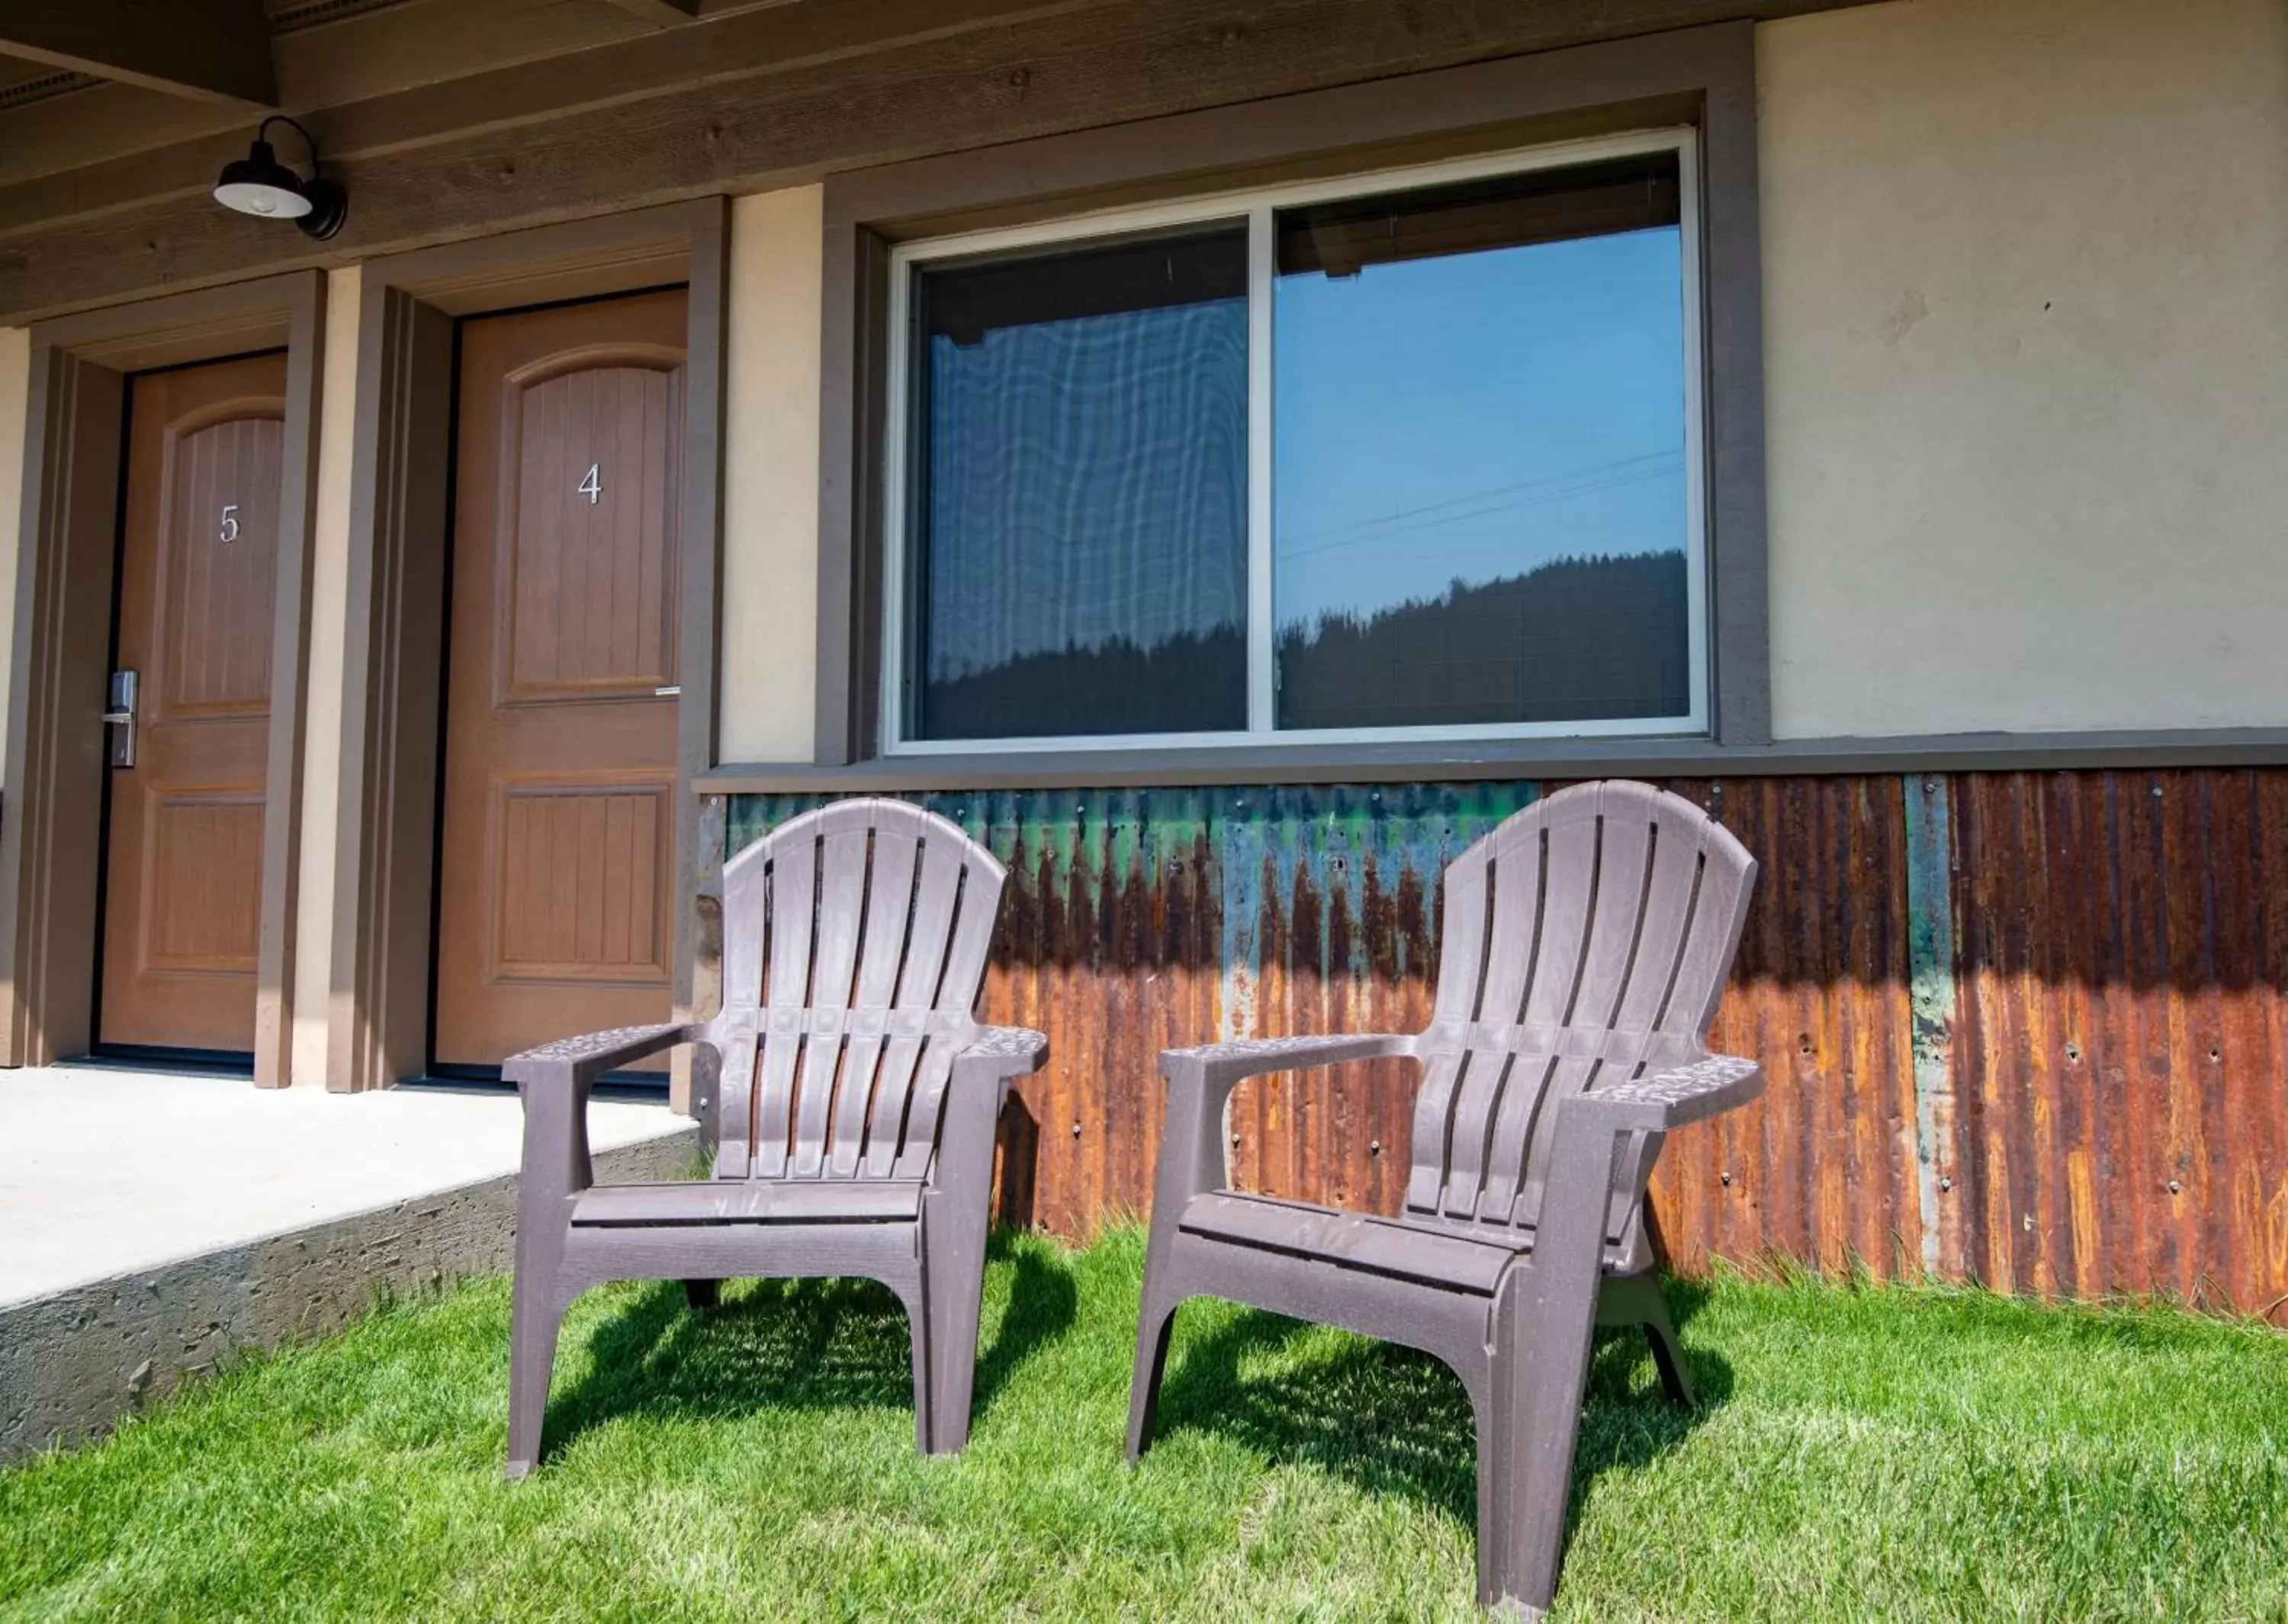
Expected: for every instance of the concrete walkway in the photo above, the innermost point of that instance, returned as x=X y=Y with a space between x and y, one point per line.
x=107 y=1172
x=152 y=1224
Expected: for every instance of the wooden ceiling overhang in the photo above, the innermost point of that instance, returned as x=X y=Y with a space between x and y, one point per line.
x=207 y=50
x=451 y=119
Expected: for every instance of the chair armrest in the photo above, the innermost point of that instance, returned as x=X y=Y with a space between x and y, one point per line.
x=972 y=1105
x=1002 y=1052
x=553 y=1081
x=1671 y=1098
x=591 y=1054
x=1593 y=1131
x=1192 y=1159
x=1225 y=1066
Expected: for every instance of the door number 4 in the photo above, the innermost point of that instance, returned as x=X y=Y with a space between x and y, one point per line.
x=593 y=487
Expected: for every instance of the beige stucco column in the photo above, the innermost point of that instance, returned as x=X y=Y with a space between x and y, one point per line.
x=314 y=930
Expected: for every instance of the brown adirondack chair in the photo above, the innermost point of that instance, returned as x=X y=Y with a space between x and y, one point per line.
x=857 y=1098
x=1586 y=941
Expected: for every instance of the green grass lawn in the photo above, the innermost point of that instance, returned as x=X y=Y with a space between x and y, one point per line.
x=1871 y=1453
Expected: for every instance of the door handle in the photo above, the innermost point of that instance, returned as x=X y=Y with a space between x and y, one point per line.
x=120 y=719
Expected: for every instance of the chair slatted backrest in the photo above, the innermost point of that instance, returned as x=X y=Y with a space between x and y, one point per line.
x=855 y=941
x=1587 y=941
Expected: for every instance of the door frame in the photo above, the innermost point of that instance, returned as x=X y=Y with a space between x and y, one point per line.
x=50 y=838
x=394 y=653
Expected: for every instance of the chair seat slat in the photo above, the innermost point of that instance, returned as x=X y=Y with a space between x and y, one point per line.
x=889 y=905
x=1670 y=902
x=1433 y=1121
x=748 y=1200
x=1624 y=855
x=734 y=1091
x=794 y=905
x=899 y=1057
x=845 y=855
x=1508 y=974
x=1717 y=922
x=932 y=1072
x=1460 y=1262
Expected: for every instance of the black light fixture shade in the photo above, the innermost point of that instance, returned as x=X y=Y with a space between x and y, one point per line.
x=261 y=185
x=257 y=184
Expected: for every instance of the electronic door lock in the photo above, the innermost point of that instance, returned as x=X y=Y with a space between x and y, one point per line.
x=120 y=719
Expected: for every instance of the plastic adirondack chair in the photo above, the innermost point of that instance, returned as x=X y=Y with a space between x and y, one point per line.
x=858 y=1103
x=1586 y=941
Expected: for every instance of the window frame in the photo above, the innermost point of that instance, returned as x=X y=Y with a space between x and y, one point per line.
x=1256 y=206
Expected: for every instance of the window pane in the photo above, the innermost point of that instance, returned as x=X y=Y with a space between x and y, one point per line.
x=1080 y=513
x=1479 y=495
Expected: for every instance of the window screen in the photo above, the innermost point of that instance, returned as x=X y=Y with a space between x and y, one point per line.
x=1080 y=513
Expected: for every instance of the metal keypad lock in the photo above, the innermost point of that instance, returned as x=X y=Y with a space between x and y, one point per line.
x=119 y=719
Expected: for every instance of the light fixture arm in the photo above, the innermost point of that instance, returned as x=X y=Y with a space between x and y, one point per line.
x=309 y=141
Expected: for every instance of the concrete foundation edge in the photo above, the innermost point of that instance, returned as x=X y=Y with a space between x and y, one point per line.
x=71 y=1363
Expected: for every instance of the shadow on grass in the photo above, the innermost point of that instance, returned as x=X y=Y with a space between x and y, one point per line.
x=792 y=1344
x=1392 y=1420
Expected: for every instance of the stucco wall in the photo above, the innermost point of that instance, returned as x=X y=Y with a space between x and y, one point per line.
x=314 y=924
x=15 y=386
x=770 y=479
x=2026 y=318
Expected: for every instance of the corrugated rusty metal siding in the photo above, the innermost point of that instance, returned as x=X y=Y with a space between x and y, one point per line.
x=1107 y=944
x=1824 y=1169
x=2123 y=956
x=1986 y=1004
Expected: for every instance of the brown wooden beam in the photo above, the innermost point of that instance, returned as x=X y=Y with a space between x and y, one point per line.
x=662 y=14
x=209 y=50
x=766 y=98
x=758 y=43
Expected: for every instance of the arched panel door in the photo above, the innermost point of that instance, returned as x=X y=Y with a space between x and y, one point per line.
x=556 y=859
x=198 y=569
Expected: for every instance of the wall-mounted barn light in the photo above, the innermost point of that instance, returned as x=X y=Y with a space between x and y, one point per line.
x=259 y=184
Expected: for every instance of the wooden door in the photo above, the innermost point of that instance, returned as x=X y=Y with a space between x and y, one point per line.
x=556 y=847
x=198 y=566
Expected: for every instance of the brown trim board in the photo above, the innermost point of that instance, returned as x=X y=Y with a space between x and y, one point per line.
x=1705 y=77
x=393 y=654
x=2103 y=750
x=50 y=842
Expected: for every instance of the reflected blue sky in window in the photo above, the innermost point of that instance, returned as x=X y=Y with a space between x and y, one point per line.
x=1474 y=417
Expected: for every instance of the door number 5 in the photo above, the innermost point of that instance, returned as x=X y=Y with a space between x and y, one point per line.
x=591 y=488
x=229 y=531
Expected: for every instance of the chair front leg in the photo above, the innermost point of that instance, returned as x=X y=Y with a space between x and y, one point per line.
x=538 y=1317
x=1191 y=1164
x=555 y=1166
x=1546 y=1322
x=956 y=1218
